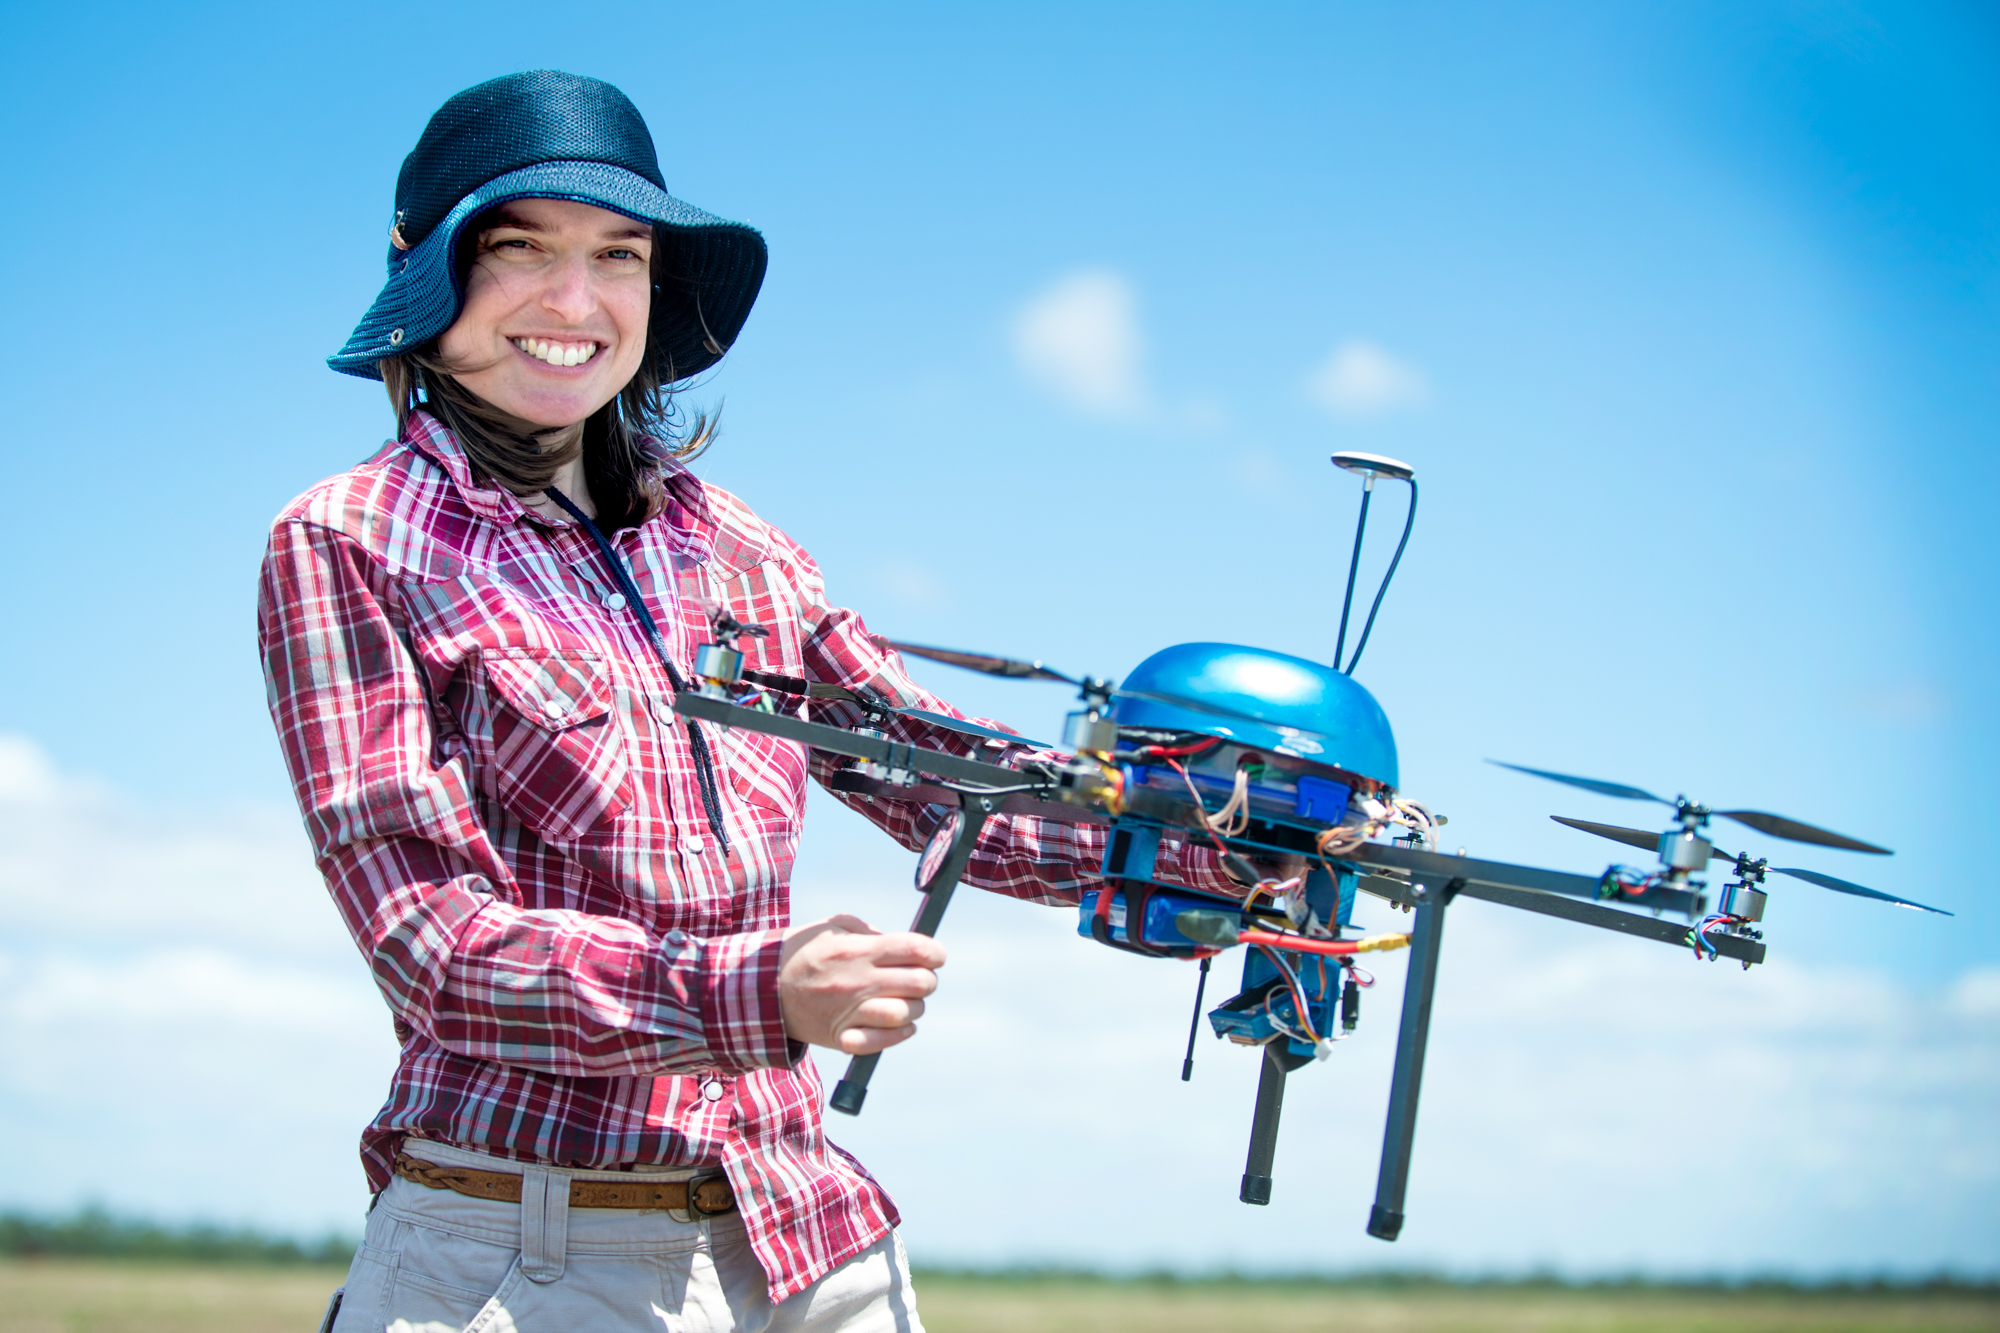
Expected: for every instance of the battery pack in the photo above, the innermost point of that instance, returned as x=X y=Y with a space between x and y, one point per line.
x=1158 y=930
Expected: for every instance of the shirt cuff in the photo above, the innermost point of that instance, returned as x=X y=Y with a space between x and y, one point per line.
x=742 y=1020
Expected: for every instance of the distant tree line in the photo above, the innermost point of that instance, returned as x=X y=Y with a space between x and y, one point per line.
x=94 y=1233
x=1415 y=1280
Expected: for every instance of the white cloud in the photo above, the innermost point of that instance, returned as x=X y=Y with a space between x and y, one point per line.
x=176 y=990
x=1359 y=379
x=1977 y=994
x=25 y=772
x=1080 y=340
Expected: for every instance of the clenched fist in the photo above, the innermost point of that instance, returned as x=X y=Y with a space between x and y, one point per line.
x=844 y=984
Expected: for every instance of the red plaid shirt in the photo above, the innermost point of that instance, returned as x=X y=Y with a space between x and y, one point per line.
x=505 y=809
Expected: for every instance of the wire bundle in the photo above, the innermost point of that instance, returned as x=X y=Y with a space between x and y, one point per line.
x=1624 y=880
x=1698 y=937
x=1322 y=1046
x=1368 y=816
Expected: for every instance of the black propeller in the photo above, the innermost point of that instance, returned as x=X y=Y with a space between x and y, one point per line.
x=818 y=690
x=1102 y=691
x=1010 y=667
x=1776 y=825
x=1588 y=784
x=1845 y=886
x=1780 y=827
x=1633 y=837
x=968 y=728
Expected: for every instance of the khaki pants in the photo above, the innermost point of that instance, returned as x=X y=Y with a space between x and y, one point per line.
x=438 y=1262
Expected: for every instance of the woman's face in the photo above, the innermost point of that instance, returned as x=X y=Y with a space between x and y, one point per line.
x=554 y=323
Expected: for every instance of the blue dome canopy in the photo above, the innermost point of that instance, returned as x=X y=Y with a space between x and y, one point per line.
x=1272 y=701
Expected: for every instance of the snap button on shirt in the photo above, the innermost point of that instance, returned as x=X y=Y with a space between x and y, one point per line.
x=695 y=843
x=615 y=602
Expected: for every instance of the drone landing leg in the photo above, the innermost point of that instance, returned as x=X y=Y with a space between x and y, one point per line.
x=852 y=1090
x=1278 y=1062
x=1385 y=1219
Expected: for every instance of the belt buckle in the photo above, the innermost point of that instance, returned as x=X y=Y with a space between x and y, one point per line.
x=694 y=1198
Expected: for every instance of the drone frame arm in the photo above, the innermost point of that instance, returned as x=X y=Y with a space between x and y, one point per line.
x=1745 y=951
x=834 y=740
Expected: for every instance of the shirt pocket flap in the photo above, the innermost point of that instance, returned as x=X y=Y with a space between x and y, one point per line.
x=555 y=690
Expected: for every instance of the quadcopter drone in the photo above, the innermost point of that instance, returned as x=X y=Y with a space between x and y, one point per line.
x=1273 y=761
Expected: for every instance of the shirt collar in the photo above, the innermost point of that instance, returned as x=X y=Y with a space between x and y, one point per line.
x=425 y=435
x=688 y=519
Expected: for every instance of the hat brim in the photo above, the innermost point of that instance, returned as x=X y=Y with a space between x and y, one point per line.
x=713 y=270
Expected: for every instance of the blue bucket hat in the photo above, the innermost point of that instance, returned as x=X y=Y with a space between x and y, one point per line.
x=549 y=135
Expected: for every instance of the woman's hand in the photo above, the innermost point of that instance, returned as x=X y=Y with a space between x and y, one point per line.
x=844 y=984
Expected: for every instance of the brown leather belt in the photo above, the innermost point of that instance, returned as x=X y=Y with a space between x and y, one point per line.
x=709 y=1196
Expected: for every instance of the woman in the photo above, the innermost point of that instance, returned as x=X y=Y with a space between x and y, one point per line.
x=573 y=901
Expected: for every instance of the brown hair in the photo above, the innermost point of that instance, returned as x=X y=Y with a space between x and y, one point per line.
x=622 y=442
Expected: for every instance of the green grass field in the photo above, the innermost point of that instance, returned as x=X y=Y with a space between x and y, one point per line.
x=113 y=1296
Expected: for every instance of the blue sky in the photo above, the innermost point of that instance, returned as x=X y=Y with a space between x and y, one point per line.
x=1684 y=312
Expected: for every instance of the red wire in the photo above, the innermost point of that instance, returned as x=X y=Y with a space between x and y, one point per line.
x=1299 y=944
x=1152 y=752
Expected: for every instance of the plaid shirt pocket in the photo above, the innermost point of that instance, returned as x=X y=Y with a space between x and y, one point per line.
x=562 y=767
x=764 y=770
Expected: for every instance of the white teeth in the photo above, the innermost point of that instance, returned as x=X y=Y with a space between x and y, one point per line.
x=557 y=354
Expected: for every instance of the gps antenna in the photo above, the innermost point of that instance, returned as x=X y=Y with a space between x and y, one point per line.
x=1369 y=467
x=1353 y=564
x=1194 y=1025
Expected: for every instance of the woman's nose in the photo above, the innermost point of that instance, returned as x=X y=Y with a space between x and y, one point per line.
x=571 y=293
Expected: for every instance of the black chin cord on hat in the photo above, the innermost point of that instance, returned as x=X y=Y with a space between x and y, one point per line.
x=704 y=763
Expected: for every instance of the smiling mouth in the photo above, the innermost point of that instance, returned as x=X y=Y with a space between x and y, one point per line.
x=556 y=353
